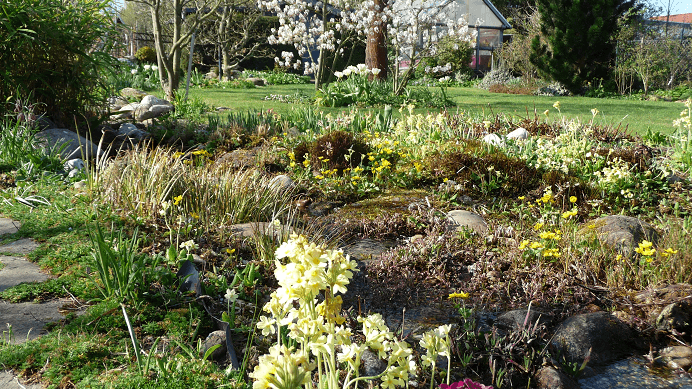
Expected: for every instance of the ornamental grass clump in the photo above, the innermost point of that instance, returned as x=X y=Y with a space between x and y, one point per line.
x=187 y=192
x=311 y=335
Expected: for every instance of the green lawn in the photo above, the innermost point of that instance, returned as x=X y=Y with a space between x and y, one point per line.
x=637 y=115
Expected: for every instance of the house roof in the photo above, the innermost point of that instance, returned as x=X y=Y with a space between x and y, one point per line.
x=505 y=23
x=680 y=18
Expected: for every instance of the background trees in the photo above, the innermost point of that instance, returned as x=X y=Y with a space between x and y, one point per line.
x=576 y=43
x=178 y=20
x=656 y=56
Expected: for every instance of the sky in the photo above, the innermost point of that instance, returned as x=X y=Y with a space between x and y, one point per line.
x=684 y=7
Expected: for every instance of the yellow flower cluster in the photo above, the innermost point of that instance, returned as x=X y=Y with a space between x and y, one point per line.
x=202 y=153
x=547 y=197
x=569 y=214
x=668 y=252
x=545 y=251
x=548 y=235
x=460 y=295
x=646 y=248
x=315 y=324
x=551 y=253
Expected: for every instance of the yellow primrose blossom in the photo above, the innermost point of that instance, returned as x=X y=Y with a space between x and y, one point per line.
x=538 y=226
x=547 y=197
x=535 y=245
x=573 y=199
x=523 y=244
x=177 y=199
x=556 y=105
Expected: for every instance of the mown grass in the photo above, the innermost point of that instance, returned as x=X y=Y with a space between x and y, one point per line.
x=637 y=116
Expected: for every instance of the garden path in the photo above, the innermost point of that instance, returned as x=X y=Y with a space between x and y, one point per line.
x=27 y=320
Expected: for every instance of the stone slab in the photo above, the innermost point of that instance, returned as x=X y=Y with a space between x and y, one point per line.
x=8 y=226
x=28 y=319
x=18 y=270
x=9 y=380
x=22 y=247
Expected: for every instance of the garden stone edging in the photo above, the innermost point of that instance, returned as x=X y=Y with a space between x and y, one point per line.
x=459 y=219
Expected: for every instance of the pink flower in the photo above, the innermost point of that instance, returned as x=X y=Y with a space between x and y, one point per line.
x=465 y=384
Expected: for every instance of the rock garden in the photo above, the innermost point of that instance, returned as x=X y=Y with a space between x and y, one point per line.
x=416 y=250
x=342 y=229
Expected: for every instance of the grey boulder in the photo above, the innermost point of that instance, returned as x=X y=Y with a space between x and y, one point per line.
x=75 y=146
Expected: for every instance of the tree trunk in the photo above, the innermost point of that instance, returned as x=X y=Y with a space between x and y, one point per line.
x=376 y=46
x=321 y=61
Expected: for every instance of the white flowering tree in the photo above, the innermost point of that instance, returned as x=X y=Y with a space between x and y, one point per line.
x=316 y=28
x=416 y=27
x=411 y=27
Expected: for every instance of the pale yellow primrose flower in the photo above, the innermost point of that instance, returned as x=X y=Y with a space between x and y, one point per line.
x=304 y=271
x=231 y=295
x=436 y=343
x=281 y=369
x=189 y=245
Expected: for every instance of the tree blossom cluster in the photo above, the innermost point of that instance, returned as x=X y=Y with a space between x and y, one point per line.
x=286 y=60
x=413 y=26
x=438 y=69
